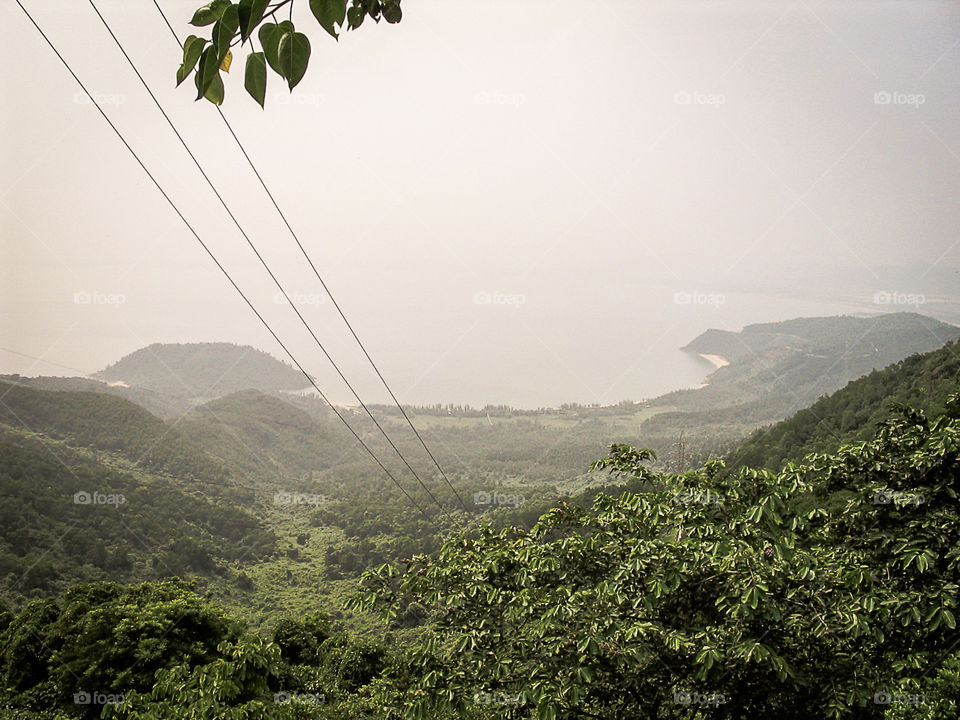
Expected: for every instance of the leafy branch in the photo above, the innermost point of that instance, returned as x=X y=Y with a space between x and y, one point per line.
x=284 y=50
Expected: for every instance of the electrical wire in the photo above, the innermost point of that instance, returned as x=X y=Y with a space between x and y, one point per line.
x=264 y=263
x=190 y=227
x=316 y=272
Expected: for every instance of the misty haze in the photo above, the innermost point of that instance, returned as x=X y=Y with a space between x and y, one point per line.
x=480 y=360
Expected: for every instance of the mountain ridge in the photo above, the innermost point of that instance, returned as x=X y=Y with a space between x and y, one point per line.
x=202 y=370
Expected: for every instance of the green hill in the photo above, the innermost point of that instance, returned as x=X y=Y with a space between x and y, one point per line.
x=66 y=518
x=852 y=414
x=860 y=594
x=799 y=360
x=203 y=370
x=875 y=339
x=778 y=368
x=264 y=436
x=163 y=406
x=94 y=487
x=109 y=424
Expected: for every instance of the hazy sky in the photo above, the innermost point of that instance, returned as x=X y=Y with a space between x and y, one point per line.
x=526 y=202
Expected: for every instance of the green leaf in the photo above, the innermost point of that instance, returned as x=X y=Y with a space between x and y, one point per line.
x=215 y=92
x=192 y=49
x=392 y=12
x=355 y=16
x=224 y=30
x=329 y=13
x=255 y=77
x=546 y=712
x=270 y=35
x=209 y=13
x=294 y=54
x=250 y=13
x=208 y=69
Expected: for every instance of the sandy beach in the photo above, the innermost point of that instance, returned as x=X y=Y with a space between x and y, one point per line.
x=718 y=361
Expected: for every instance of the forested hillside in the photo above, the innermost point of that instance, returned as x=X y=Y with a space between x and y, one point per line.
x=779 y=368
x=66 y=518
x=545 y=589
x=203 y=370
x=109 y=424
x=869 y=341
x=163 y=406
x=266 y=437
x=923 y=381
x=776 y=369
x=746 y=594
x=713 y=593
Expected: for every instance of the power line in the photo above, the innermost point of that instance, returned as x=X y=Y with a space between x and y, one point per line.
x=263 y=262
x=316 y=272
x=216 y=261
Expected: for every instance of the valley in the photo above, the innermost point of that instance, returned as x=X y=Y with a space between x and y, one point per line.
x=263 y=502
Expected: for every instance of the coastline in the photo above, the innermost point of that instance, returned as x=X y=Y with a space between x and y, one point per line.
x=718 y=361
